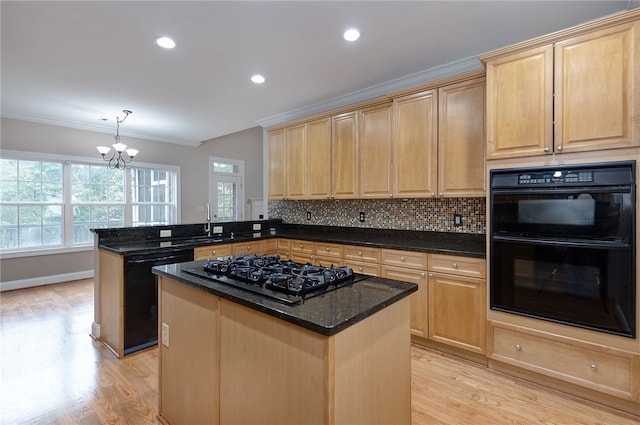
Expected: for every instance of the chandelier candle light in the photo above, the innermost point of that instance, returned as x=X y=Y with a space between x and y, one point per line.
x=117 y=159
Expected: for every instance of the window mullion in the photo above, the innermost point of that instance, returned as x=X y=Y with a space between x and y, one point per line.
x=67 y=208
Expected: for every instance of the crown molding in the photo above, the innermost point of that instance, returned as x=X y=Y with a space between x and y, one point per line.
x=376 y=91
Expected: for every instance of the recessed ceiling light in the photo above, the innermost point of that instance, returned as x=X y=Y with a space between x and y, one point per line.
x=165 y=42
x=258 y=79
x=351 y=34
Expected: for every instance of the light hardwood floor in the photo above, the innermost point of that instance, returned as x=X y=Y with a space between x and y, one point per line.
x=52 y=372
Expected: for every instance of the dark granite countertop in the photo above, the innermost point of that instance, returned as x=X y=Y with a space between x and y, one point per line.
x=326 y=314
x=463 y=244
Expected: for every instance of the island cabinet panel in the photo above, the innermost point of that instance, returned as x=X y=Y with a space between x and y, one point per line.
x=272 y=372
x=345 y=155
x=415 y=144
x=375 y=152
x=211 y=251
x=593 y=366
x=189 y=362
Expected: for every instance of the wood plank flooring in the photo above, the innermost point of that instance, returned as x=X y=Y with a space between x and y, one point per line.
x=52 y=372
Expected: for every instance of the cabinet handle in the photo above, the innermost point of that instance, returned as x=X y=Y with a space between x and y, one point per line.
x=359 y=269
x=440 y=194
x=518 y=347
x=559 y=148
x=422 y=274
x=248 y=247
x=430 y=274
x=301 y=246
x=454 y=265
x=391 y=195
x=213 y=252
x=328 y=249
x=594 y=366
x=433 y=194
x=360 y=253
x=402 y=259
x=546 y=150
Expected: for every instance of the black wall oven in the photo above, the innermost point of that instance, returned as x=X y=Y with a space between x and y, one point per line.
x=562 y=245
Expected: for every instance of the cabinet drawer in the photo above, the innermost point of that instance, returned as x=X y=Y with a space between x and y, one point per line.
x=270 y=246
x=362 y=253
x=211 y=251
x=363 y=267
x=596 y=367
x=301 y=246
x=410 y=259
x=328 y=250
x=248 y=248
x=462 y=266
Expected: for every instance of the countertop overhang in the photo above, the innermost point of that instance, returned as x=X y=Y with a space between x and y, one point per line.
x=326 y=314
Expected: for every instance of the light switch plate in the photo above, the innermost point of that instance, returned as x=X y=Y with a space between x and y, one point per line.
x=257 y=226
x=217 y=229
x=165 y=233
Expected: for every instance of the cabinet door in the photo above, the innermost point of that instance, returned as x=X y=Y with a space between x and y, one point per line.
x=211 y=251
x=375 y=152
x=415 y=144
x=277 y=165
x=595 y=78
x=345 y=155
x=461 y=139
x=457 y=311
x=520 y=104
x=296 y=161
x=319 y=159
x=418 y=300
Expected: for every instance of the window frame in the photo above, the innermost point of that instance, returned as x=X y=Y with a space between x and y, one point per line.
x=238 y=177
x=67 y=213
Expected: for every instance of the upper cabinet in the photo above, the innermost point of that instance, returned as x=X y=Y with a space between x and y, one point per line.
x=277 y=167
x=575 y=93
x=319 y=161
x=345 y=155
x=461 y=139
x=375 y=152
x=415 y=148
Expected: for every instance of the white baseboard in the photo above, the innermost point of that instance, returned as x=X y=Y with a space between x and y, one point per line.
x=45 y=280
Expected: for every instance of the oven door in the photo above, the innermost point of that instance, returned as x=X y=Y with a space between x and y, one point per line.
x=582 y=284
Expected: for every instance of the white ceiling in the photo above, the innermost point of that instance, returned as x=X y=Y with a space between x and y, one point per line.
x=71 y=63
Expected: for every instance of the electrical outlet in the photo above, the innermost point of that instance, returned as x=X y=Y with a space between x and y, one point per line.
x=257 y=226
x=308 y=215
x=165 y=233
x=217 y=229
x=165 y=335
x=457 y=220
x=361 y=216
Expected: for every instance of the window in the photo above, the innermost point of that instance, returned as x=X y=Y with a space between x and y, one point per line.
x=227 y=189
x=52 y=202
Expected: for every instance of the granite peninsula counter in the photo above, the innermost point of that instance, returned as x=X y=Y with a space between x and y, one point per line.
x=230 y=356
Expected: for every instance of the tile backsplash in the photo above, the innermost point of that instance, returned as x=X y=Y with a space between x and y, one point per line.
x=430 y=214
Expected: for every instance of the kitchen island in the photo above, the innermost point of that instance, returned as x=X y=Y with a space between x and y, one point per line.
x=231 y=356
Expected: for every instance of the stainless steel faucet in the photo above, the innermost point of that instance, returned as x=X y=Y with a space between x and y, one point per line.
x=207 y=227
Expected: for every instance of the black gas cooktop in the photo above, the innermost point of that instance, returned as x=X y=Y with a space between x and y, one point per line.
x=269 y=275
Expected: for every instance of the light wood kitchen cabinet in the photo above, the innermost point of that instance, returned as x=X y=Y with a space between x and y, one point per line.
x=212 y=251
x=270 y=246
x=411 y=267
x=251 y=247
x=461 y=139
x=296 y=165
x=319 y=159
x=375 y=152
x=345 y=155
x=574 y=94
x=327 y=254
x=362 y=259
x=302 y=251
x=414 y=144
x=284 y=249
x=277 y=166
x=457 y=302
x=593 y=366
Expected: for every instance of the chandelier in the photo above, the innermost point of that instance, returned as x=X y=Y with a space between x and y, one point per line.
x=121 y=156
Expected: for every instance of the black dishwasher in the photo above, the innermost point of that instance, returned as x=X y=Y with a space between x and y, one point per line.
x=141 y=296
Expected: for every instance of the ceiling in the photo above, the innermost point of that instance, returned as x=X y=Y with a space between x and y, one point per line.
x=74 y=63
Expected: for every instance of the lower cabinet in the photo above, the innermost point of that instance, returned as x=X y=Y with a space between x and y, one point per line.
x=593 y=366
x=211 y=251
x=418 y=300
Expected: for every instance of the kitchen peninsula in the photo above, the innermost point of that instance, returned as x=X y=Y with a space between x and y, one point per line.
x=232 y=356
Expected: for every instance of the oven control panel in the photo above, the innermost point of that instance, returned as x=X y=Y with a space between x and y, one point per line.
x=563 y=176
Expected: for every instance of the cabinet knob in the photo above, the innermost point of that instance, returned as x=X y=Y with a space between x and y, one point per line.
x=518 y=347
x=430 y=274
x=422 y=274
x=359 y=269
x=360 y=253
x=433 y=194
x=440 y=194
x=546 y=150
x=301 y=246
x=213 y=252
x=559 y=148
x=594 y=366
x=391 y=195
x=328 y=249
x=248 y=247
x=454 y=265
x=402 y=259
